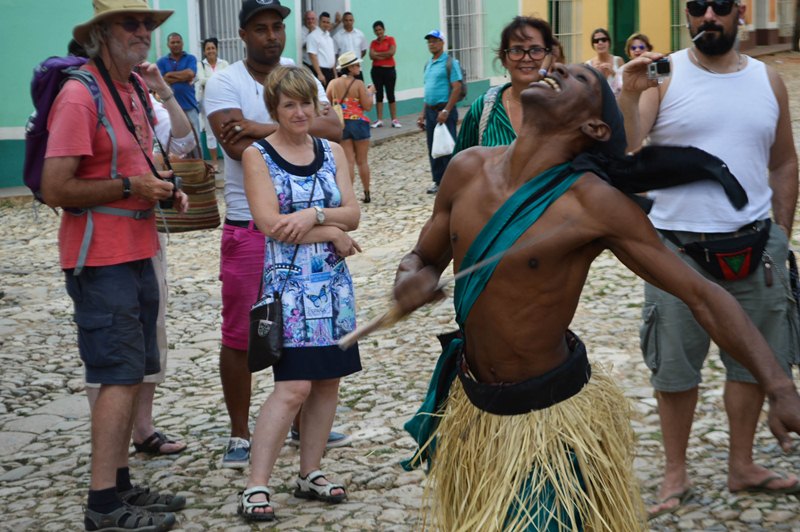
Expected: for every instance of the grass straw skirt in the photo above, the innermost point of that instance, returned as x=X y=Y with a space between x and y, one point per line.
x=568 y=467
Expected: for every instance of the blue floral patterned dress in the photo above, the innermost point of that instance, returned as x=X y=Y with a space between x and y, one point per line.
x=318 y=300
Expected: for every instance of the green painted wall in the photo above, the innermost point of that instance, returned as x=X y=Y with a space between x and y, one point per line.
x=407 y=21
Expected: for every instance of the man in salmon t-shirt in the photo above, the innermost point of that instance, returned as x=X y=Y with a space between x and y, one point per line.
x=106 y=247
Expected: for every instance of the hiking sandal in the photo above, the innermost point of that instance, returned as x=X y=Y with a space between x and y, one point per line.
x=307 y=489
x=246 y=506
x=155 y=442
x=127 y=518
x=152 y=500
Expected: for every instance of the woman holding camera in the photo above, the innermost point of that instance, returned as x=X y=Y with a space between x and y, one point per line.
x=607 y=63
x=301 y=198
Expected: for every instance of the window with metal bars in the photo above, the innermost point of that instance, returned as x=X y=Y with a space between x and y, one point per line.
x=464 y=19
x=220 y=19
x=565 y=19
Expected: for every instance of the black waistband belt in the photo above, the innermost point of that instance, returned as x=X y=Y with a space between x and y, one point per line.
x=537 y=393
x=239 y=223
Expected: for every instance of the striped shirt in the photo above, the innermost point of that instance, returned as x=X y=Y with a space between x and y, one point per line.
x=499 y=131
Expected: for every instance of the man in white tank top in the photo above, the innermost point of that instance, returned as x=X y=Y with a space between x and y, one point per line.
x=736 y=108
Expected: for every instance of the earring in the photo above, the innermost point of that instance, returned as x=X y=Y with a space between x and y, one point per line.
x=741 y=21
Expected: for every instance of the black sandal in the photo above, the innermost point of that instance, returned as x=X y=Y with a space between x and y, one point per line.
x=153 y=444
x=154 y=501
x=128 y=517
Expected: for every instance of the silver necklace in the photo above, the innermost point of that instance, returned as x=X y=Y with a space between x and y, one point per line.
x=699 y=63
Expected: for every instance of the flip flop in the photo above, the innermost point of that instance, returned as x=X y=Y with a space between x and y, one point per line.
x=682 y=497
x=153 y=444
x=763 y=487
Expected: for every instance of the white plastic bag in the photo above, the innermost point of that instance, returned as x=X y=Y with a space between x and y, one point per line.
x=443 y=142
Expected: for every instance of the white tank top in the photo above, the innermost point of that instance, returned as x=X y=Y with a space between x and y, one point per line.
x=732 y=116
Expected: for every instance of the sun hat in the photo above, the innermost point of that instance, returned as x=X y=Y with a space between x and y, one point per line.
x=251 y=7
x=435 y=34
x=107 y=8
x=347 y=59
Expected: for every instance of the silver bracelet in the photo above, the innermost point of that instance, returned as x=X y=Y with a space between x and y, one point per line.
x=168 y=98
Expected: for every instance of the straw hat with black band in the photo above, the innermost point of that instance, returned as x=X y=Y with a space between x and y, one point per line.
x=104 y=9
x=347 y=59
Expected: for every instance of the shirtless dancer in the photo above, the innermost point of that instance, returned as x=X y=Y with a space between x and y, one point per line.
x=558 y=453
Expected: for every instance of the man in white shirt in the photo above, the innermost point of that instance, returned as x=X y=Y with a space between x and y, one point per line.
x=309 y=25
x=321 y=50
x=234 y=102
x=350 y=39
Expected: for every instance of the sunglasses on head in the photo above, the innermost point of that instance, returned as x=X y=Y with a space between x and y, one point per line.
x=599 y=39
x=697 y=8
x=638 y=47
x=131 y=25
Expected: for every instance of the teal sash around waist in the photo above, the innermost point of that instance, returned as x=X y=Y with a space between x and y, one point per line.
x=505 y=227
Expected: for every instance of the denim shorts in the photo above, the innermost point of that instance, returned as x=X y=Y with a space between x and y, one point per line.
x=355 y=130
x=674 y=345
x=116 y=310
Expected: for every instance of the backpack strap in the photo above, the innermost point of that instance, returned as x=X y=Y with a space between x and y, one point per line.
x=489 y=100
x=87 y=233
x=88 y=80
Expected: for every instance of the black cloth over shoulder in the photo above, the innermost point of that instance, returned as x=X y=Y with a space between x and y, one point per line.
x=653 y=167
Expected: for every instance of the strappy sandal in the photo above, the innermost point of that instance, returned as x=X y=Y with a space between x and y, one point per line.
x=307 y=489
x=128 y=517
x=246 y=506
x=155 y=442
x=154 y=501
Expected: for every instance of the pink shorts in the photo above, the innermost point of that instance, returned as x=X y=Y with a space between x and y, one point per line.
x=241 y=264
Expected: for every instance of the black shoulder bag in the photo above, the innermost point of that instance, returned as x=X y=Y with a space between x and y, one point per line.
x=265 y=336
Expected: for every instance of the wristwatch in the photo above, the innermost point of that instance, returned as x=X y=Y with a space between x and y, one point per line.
x=126 y=188
x=320 y=215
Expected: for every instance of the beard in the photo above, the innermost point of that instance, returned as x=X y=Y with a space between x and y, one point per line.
x=715 y=44
x=120 y=52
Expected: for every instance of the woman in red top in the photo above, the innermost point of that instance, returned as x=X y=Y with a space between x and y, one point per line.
x=383 y=73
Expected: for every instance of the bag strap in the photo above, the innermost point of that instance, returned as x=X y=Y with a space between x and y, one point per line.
x=489 y=100
x=88 y=80
x=669 y=235
x=347 y=90
x=124 y=112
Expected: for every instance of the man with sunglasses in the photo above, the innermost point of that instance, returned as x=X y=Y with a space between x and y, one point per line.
x=115 y=296
x=442 y=80
x=179 y=70
x=736 y=108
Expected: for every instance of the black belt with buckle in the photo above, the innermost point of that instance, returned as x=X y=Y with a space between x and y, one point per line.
x=240 y=223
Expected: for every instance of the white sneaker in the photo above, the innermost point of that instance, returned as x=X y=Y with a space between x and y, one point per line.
x=396 y=123
x=377 y=123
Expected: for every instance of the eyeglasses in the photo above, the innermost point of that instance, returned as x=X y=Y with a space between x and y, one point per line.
x=131 y=25
x=518 y=54
x=635 y=47
x=599 y=39
x=697 y=8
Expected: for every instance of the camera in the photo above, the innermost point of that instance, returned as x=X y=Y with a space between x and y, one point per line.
x=658 y=69
x=177 y=184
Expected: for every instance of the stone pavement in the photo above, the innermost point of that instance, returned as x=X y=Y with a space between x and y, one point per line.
x=44 y=425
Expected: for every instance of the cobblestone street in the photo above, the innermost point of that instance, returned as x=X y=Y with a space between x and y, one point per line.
x=44 y=419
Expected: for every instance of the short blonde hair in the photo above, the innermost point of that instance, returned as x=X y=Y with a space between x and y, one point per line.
x=293 y=82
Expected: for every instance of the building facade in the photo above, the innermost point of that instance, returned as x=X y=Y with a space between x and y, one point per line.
x=468 y=24
x=767 y=23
